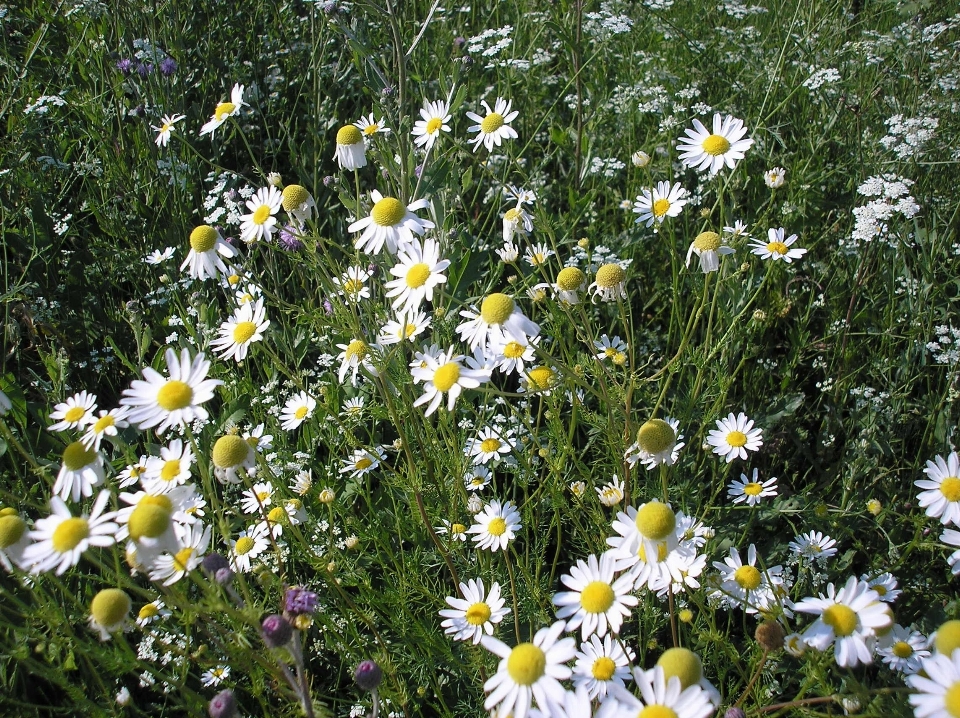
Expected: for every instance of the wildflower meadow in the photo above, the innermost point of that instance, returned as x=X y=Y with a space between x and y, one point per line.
x=406 y=358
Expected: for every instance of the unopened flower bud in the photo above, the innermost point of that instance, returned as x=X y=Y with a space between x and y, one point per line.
x=734 y=712
x=769 y=635
x=224 y=576
x=276 y=631
x=213 y=562
x=368 y=675
x=223 y=705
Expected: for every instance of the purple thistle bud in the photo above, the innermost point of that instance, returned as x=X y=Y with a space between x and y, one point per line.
x=213 y=562
x=329 y=180
x=327 y=307
x=418 y=170
x=168 y=66
x=223 y=705
x=459 y=42
x=290 y=239
x=224 y=576
x=300 y=600
x=276 y=631
x=735 y=712
x=144 y=69
x=368 y=675
x=125 y=65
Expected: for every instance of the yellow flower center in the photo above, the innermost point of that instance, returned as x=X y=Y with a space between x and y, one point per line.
x=76 y=456
x=457 y=528
x=243 y=331
x=68 y=535
x=661 y=207
x=603 y=668
x=203 y=238
x=950 y=488
x=349 y=135
x=541 y=378
x=497 y=527
x=104 y=423
x=230 y=450
x=570 y=279
x=74 y=414
x=175 y=394
x=655 y=520
x=170 y=470
x=777 y=248
x=748 y=577
x=434 y=125
x=165 y=127
x=715 y=145
x=262 y=213
x=657 y=711
x=388 y=212
x=150 y=518
x=661 y=551
x=656 y=436
x=12 y=528
x=610 y=275
x=737 y=438
x=496 y=308
x=362 y=464
x=110 y=606
x=707 y=242
x=301 y=412
x=682 y=663
x=948 y=637
x=491 y=123
x=417 y=275
x=356 y=349
x=596 y=597
x=512 y=215
x=490 y=445
x=478 y=614
x=951 y=700
x=902 y=649
x=233 y=280
x=526 y=664
x=181 y=559
x=752 y=489
x=513 y=350
x=446 y=376
x=244 y=545
x=371 y=129
x=277 y=515
x=842 y=619
x=224 y=110
x=148 y=611
x=293 y=196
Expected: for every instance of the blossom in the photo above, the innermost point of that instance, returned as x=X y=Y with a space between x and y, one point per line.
x=776 y=247
x=751 y=490
x=260 y=222
x=705 y=150
x=595 y=600
x=225 y=110
x=941 y=495
x=206 y=249
x=390 y=223
x=734 y=437
x=654 y=205
x=435 y=116
x=443 y=373
x=165 y=129
x=493 y=128
x=468 y=618
x=495 y=526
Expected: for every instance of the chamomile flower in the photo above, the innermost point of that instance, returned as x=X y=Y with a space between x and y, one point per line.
x=256 y=439
x=260 y=222
x=106 y=424
x=456 y=531
x=529 y=672
x=245 y=327
x=477 y=478
x=706 y=150
x=435 y=116
x=443 y=373
x=152 y=612
x=608 y=283
x=538 y=254
x=75 y=413
x=941 y=495
x=751 y=490
x=738 y=230
x=734 y=437
x=498 y=320
x=61 y=538
x=206 y=249
x=709 y=247
x=647 y=537
x=595 y=600
x=468 y=618
x=351 y=152
x=658 y=442
x=775 y=178
x=352 y=408
x=109 y=611
x=353 y=284
x=369 y=126
x=390 y=223
x=849 y=617
x=813 y=546
x=508 y=253
x=937 y=687
x=256 y=499
x=80 y=470
x=494 y=127
x=250 y=543
x=419 y=271
x=363 y=461
x=745 y=586
x=225 y=110
x=610 y=348
x=495 y=526
x=298 y=203
x=490 y=444
x=297 y=410
x=406 y=327
x=952 y=538
x=132 y=473
x=353 y=356
x=905 y=650
x=161 y=402
x=159 y=257
x=885 y=585
x=654 y=205
x=214 y=676
x=611 y=493
x=601 y=663
x=659 y=696
x=169 y=470
x=165 y=129
x=516 y=219
x=514 y=355
x=192 y=543
x=570 y=282
x=776 y=247
x=14 y=538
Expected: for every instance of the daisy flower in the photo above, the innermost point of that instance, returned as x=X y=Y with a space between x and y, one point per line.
x=514 y=355
x=257 y=497
x=297 y=410
x=419 y=271
x=538 y=254
x=298 y=203
x=468 y=618
x=658 y=697
x=14 y=538
x=166 y=128
x=356 y=354
x=734 y=437
x=157 y=401
x=493 y=128
x=775 y=178
x=353 y=284
x=157 y=257
x=406 y=327
x=206 y=249
x=435 y=116
x=517 y=219
x=709 y=247
x=214 y=676
x=245 y=327
x=751 y=490
x=814 y=546
x=477 y=478
x=776 y=247
x=457 y=531
x=610 y=348
x=738 y=230
x=80 y=470
x=106 y=424
x=169 y=470
x=490 y=444
x=75 y=413
x=937 y=687
x=352 y=407
x=595 y=600
x=225 y=110
x=132 y=473
x=351 y=152
x=905 y=650
x=885 y=585
x=508 y=253
x=745 y=586
x=152 y=613
x=570 y=281
x=611 y=493
x=529 y=672
x=654 y=205
x=647 y=536
x=192 y=541
x=250 y=543
x=685 y=665
x=851 y=617
x=952 y=538
x=705 y=150
x=370 y=127
x=498 y=320
x=363 y=462
x=444 y=373
x=608 y=283
x=495 y=526
x=109 y=611
x=658 y=442
x=390 y=223
x=259 y=224
x=61 y=538
x=601 y=663
x=941 y=497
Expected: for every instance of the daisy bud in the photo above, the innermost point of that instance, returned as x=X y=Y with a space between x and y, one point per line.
x=223 y=705
x=769 y=635
x=734 y=712
x=640 y=158
x=874 y=507
x=276 y=631
x=368 y=675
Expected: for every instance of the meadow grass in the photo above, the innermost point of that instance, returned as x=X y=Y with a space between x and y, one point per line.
x=326 y=454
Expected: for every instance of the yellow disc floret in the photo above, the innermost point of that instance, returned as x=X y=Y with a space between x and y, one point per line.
x=951 y=700
x=661 y=207
x=748 y=577
x=948 y=638
x=417 y=275
x=610 y=275
x=491 y=123
x=490 y=445
x=175 y=394
x=104 y=423
x=597 y=597
x=68 y=535
x=603 y=668
x=655 y=520
x=513 y=350
x=349 y=135
x=842 y=619
x=707 y=242
x=737 y=438
x=150 y=518
x=526 y=664
x=148 y=611
x=203 y=238
x=433 y=125
x=777 y=248
x=230 y=450
x=244 y=545
x=682 y=663
x=243 y=332
x=446 y=376
x=497 y=527
x=388 y=212
x=496 y=308
x=478 y=614
x=74 y=414
x=657 y=711
x=293 y=196
x=570 y=279
x=541 y=378
x=715 y=145
x=12 y=528
x=110 y=606
x=76 y=456
x=950 y=488
x=224 y=110
x=656 y=436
